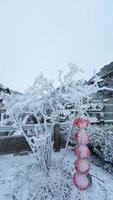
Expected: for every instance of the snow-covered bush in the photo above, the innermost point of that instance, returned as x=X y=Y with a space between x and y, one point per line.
x=102 y=141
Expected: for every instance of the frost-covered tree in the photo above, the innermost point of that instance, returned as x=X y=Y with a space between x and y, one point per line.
x=33 y=102
x=72 y=90
x=41 y=97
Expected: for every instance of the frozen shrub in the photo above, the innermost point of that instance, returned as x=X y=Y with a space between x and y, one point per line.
x=102 y=141
x=32 y=184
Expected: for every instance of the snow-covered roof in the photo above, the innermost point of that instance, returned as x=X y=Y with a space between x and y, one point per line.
x=105 y=88
x=95 y=107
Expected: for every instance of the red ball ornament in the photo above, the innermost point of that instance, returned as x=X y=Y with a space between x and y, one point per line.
x=81 y=122
x=82 y=151
x=82 y=166
x=81 y=181
x=81 y=138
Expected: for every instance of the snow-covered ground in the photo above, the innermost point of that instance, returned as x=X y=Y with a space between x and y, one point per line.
x=20 y=179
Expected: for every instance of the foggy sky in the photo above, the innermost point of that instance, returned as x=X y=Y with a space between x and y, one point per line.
x=46 y=35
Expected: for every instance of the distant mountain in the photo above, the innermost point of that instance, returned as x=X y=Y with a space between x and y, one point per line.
x=1 y=85
x=8 y=91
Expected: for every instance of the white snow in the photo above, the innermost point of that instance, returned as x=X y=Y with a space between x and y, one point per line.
x=20 y=179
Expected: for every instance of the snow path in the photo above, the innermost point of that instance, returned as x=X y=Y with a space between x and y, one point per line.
x=9 y=166
x=12 y=165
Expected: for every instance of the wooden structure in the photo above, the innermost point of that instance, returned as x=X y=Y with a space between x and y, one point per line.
x=57 y=137
x=13 y=144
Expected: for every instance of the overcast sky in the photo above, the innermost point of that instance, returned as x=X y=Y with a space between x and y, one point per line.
x=46 y=35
